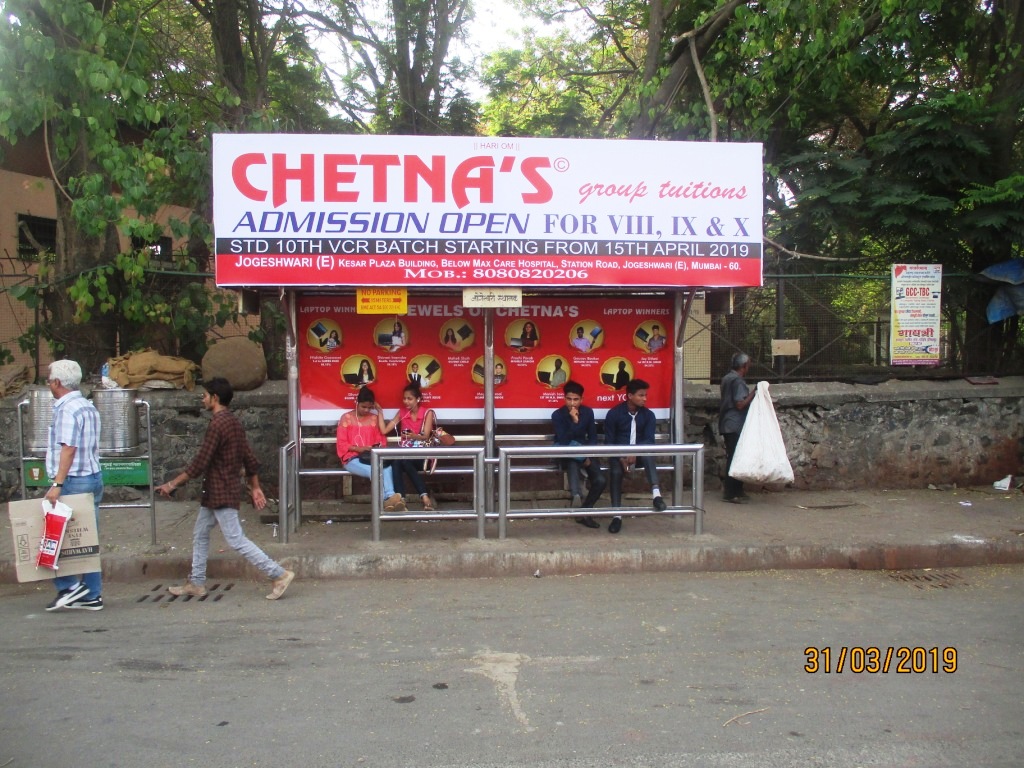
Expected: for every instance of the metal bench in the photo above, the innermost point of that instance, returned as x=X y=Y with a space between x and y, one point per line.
x=514 y=450
x=508 y=455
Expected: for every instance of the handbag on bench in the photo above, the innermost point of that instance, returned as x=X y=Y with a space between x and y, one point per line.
x=440 y=437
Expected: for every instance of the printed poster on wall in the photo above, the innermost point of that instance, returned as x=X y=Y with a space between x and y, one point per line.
x=461 y=212
x=602 y=343
x=916 y=314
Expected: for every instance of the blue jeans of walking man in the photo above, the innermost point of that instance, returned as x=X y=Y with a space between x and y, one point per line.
x=227 y=519
x=84 y=484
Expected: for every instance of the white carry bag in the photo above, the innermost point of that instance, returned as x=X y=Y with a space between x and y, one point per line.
x=761 y=454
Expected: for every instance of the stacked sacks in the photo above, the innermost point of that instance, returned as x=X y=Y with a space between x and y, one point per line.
x=13 y=378
x=152 y=370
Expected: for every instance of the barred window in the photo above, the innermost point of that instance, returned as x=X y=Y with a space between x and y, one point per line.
x=36 y=235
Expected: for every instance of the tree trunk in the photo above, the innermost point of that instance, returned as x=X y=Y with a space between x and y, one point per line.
x=88 y=343
x=983 y=350
x=652 y=110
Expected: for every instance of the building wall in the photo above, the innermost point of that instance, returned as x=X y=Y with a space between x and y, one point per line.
x=21 y=194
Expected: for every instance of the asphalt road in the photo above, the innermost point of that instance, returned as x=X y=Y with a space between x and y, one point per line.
x=649 y=670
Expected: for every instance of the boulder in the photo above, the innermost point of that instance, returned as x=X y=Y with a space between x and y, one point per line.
x=238 y=360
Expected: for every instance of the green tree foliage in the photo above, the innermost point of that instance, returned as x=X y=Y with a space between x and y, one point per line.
x=545 y=89
x=398 y=72
x=571 y=76
x=891 y=128
x=126 y=95
x=75 y=76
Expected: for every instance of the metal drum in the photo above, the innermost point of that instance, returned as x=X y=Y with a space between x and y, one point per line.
x=40 y=414
x=119 y=420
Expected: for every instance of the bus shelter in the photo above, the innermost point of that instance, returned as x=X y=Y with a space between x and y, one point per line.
x=490 y=271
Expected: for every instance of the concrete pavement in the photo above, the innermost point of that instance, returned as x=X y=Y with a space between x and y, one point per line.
x=864 y=529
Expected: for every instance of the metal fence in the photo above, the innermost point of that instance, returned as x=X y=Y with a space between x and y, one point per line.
x=20 y=324
x=842 y=324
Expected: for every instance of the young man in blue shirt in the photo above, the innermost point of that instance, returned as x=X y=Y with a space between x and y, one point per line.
x=574 y=424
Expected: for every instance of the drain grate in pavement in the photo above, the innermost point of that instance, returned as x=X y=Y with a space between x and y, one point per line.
x=929 y=579
x=159 y=594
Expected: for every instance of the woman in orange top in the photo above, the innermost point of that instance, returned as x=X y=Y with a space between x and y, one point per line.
x=359 y=432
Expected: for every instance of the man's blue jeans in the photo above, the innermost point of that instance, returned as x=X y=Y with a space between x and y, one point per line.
x=85 y=484
x=227 y=519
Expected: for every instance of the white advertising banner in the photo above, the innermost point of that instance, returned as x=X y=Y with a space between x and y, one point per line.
x=323 y=210
x=916 y=314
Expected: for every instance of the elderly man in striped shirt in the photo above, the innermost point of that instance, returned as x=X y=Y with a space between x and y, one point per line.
x=73 y=464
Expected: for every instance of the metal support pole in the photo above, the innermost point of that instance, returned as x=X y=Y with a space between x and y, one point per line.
x=780 y=325
x=149 y=470
x=294 y=427
x=21 y=449
x=698 y=493
x=681 y=313
x=478 y=492
x=489 y=442
x=503 y=495
x=375 y=493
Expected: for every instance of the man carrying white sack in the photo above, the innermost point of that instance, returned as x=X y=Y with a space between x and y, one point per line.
x=732 y=413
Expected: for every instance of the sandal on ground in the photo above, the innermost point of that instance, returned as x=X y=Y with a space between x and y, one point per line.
x=428 y=505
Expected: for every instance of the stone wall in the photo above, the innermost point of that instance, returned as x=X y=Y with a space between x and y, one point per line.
x=890 y=435
x=893 y=435
x=179 y=423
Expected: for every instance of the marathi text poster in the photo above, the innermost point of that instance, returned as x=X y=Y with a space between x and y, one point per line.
x=602 y=343
x=916 y=314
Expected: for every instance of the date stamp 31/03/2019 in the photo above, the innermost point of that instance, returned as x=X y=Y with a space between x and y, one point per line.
x=873 y=659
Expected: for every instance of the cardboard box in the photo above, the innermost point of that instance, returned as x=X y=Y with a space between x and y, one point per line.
x=79 y=551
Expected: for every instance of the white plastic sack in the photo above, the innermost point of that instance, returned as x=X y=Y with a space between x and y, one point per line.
x=761 y=454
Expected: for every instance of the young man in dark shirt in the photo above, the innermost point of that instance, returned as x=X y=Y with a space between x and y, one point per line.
x=575 y=425
x=631 y=423
x=223 y=454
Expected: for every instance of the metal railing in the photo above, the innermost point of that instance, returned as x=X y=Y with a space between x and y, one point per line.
x=146 y=457
x=476 y=455
x=288 y=493
x=506 y=455
x=484 y=471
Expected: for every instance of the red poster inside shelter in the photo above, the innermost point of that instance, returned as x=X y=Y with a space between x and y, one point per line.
x=602 y=343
